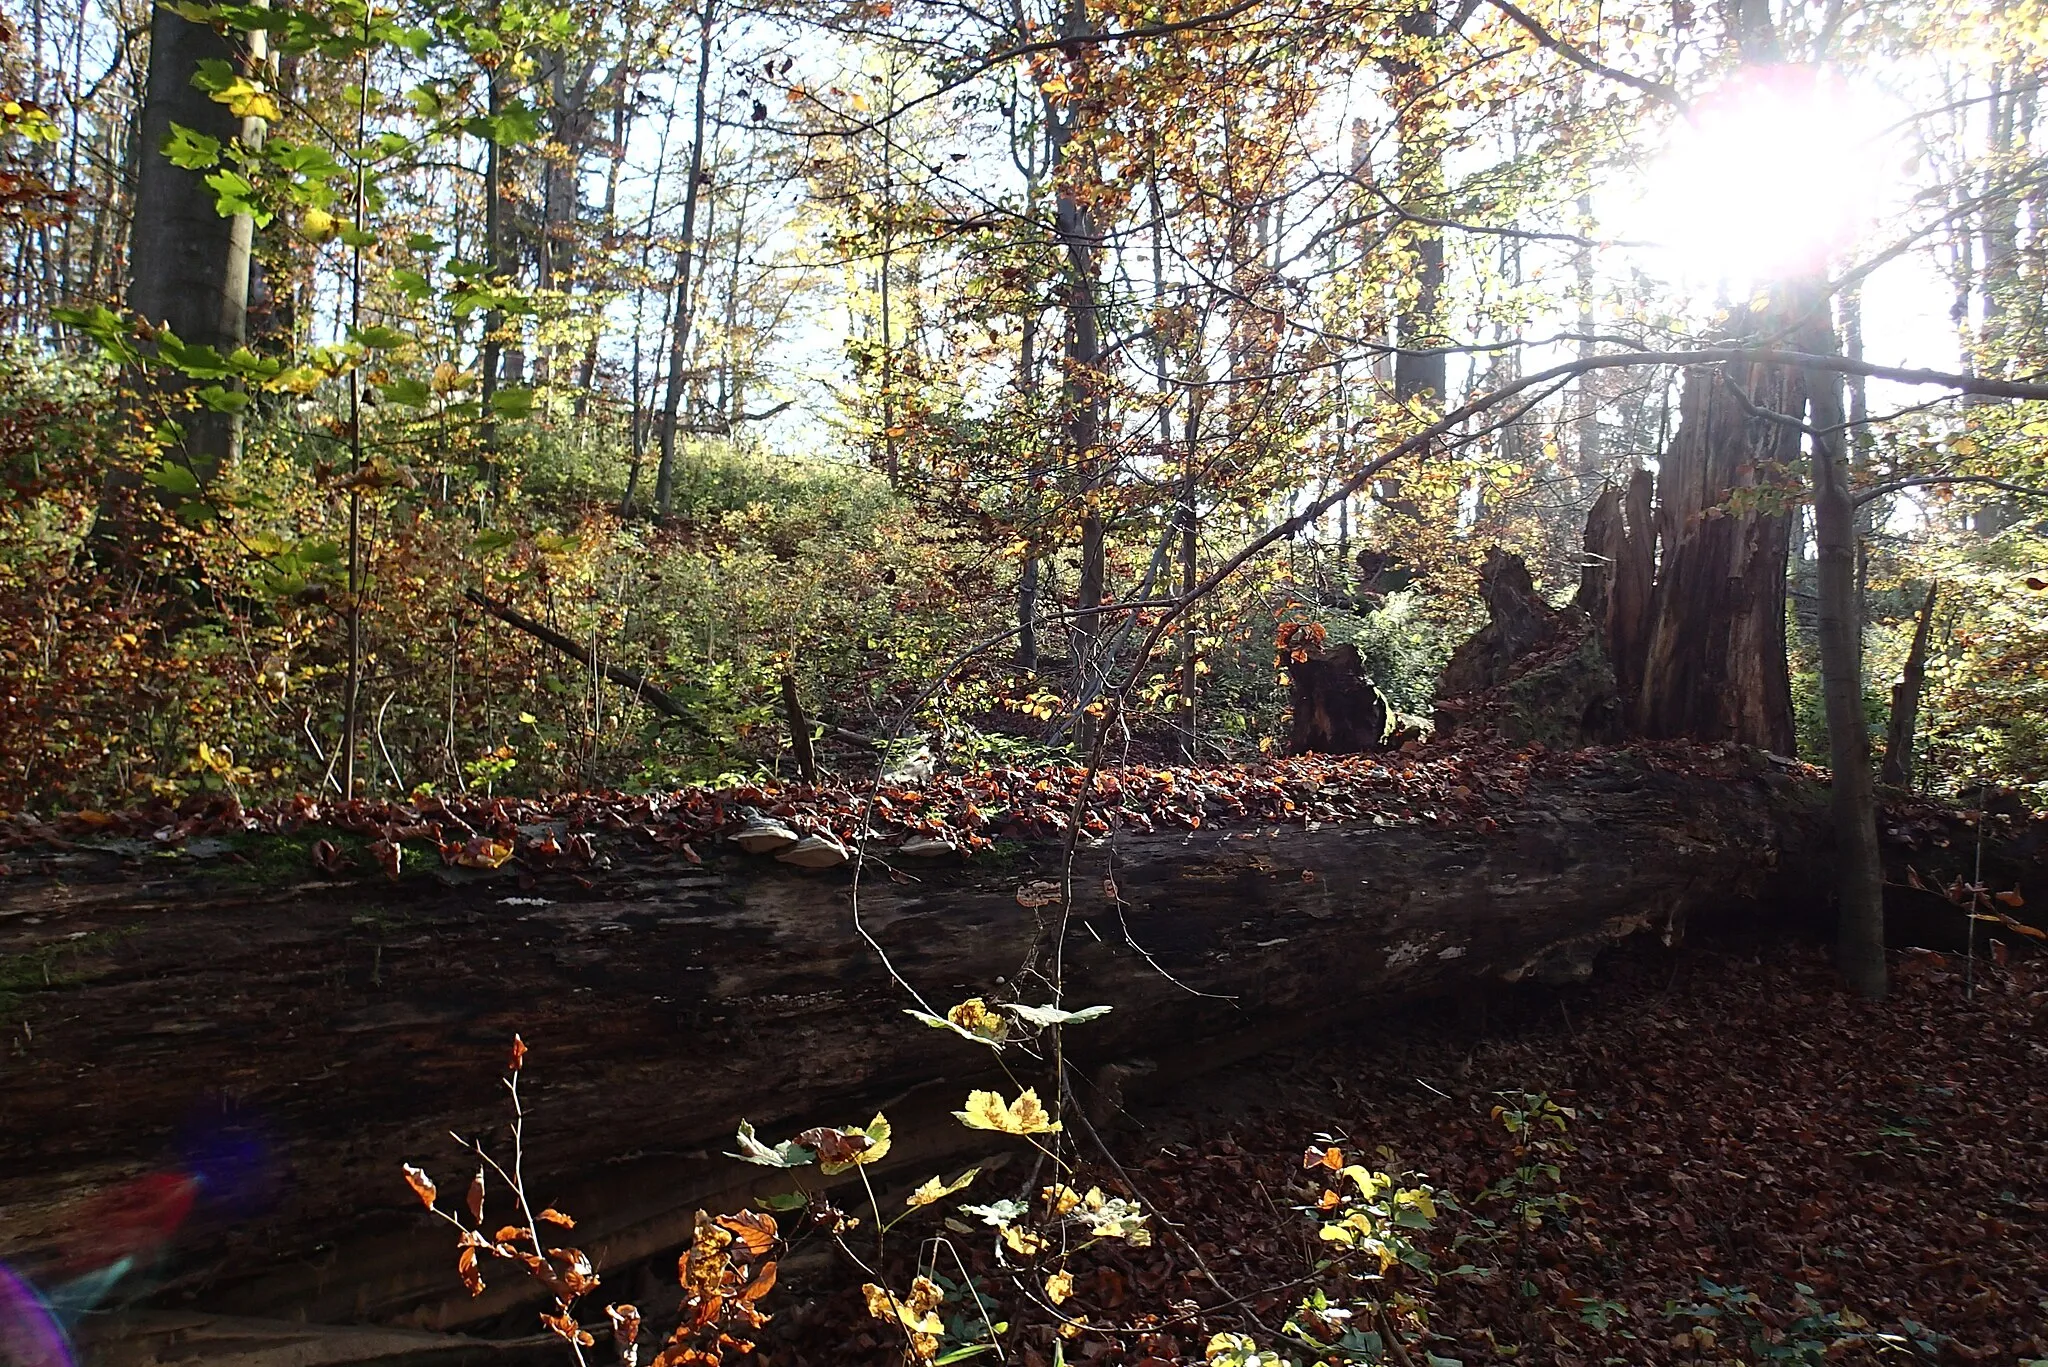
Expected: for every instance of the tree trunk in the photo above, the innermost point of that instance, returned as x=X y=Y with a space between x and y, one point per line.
x=1617 y=586
x=1898 y=741
x=1419 y=323
x=799 y=731
x=188 y=265
x=1859 y=874
x=686 y=258
x=1714 y=663
x=1336 y=709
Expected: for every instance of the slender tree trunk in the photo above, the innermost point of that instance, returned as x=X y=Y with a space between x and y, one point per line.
x=1419 y=321
x=686 y=259
x=1077 y=235
x=799 y=731
x=489 y=358
x=1905 y=719
x=1861 y=442
x=189 y=266
x=1860 y=877
x=1586 y=388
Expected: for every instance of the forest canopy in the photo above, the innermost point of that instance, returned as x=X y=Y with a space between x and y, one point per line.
x=519 y=396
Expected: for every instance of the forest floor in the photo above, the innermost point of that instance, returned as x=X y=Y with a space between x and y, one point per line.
x=1750 y=1167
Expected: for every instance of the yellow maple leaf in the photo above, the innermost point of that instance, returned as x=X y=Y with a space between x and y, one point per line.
x=1025 y=1115
x=933 y=1190
x=974 y=1016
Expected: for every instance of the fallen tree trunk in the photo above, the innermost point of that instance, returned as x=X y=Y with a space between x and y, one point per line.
x=343 y=1026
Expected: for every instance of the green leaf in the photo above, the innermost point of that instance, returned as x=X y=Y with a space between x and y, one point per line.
x=513 y=401
x=409 y=392
x=377 y=337
x=214 y=75
x=496 y=539
x=233 y=196
x=223 y=400
x=783 y=1155
x=173 y=478
x=782 y=1200
x=191 y=151
x=200 y=362
x=412 y=284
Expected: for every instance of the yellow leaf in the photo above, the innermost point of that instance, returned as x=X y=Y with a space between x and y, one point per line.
x=974 y=1016
x=1022 y=1241
x=933 y=1190
x=1026 y=1115
x=1059 y=1286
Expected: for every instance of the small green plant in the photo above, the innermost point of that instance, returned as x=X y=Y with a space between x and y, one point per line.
x=1539 y=1129
x=1806 y=1335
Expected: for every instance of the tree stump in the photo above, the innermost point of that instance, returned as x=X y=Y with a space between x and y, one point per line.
x=1337 y=709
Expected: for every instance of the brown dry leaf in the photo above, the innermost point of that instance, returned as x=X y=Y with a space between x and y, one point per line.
x=1331 y=1158
x=510 y=1233
x=475 y=1199
x=834 y=1146
x=566 y=1328
x=518 y=1057
x=625 y=1323
x=465 y=1267
x=763 y=1283
x=421 y=1184
x=755 y=1231
x=555 y=1217
x=2012 y=899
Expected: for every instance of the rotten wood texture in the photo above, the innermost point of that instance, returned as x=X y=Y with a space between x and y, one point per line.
x=1618 y=579
x=1518 y=621
x=1336 y=709
x=1713 y=664
x=345 y=1027
x=1897 y=771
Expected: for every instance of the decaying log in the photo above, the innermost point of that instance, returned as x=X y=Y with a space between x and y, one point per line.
x=344 y=1027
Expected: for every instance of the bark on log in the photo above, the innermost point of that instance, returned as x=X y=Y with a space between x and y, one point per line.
x=350 y=1025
